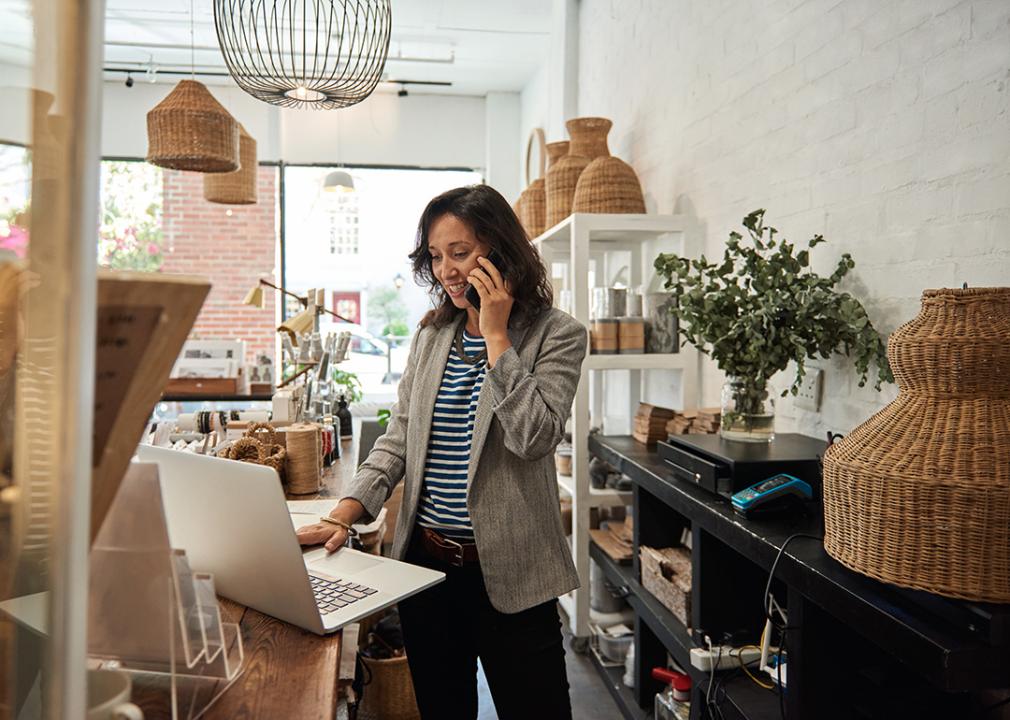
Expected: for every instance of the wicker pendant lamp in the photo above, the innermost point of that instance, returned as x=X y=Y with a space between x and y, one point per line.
x=919 y=494
x=190 y=130
x=239 y=187
x=300 y=53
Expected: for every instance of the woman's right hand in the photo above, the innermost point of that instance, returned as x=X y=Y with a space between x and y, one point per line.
x=348 y=511
x=320 y=533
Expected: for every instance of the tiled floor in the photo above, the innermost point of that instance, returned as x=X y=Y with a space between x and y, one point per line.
x=590 y=698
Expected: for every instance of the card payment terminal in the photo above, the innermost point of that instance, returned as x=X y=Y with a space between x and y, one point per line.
x=776 y=493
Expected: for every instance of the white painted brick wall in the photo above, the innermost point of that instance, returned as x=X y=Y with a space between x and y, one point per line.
x=883 y=125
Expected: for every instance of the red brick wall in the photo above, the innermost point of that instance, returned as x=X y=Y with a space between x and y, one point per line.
x=232 y=251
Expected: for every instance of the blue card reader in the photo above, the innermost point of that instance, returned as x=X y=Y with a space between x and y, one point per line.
x=773 y=493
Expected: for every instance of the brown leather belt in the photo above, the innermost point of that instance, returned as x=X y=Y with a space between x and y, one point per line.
x=447 y=550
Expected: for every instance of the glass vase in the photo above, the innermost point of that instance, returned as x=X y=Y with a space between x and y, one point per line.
x=748 y=412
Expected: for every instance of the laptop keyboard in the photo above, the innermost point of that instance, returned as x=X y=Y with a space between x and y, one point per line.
x=331 y=595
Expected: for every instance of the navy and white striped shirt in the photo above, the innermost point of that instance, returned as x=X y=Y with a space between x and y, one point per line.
x=443 y=493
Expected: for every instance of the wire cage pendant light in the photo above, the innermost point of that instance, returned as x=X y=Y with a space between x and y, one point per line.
x=324 y=54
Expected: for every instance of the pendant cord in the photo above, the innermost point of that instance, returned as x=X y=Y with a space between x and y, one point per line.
x=192 y=44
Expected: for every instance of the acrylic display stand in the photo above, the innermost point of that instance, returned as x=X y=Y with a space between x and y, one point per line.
x=150 y=614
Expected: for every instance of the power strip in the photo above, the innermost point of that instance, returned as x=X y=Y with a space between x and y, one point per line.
x=728 y=657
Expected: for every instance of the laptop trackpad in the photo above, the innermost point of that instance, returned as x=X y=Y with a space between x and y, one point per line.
x=345 y=563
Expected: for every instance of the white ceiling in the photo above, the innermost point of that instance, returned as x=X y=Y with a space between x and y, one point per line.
x=477 y=45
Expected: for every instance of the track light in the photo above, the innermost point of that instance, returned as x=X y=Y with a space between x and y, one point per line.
x=402 y=91
x=129 y=80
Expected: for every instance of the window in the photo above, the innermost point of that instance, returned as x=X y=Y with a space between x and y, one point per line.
x=354 y=245
x=15 y=190
x=157 y=220
x=131 y=236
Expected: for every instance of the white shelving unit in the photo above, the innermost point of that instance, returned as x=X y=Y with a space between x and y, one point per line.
x=609 y=241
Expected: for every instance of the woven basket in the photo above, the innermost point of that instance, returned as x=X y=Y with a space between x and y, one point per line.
x=536 y=198
x=190 y=130
x=246 y=449
x=520 y=209
x=533 y=208
x=390 y=694
x=589 y=141
x=919 y=494
x=608 y=185
x=272 y=453
x=239 y=187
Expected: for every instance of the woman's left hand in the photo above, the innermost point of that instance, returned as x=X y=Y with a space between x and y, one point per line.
x=495 y=299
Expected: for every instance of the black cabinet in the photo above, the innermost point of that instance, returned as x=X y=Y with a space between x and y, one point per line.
x=857 y=648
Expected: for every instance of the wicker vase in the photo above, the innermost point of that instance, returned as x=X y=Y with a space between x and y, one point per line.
x=390 y=693
x=239 y=187
x=535 y=206
x=608 y=185
x=190 y=130
x=919 y=494
x=589 y=141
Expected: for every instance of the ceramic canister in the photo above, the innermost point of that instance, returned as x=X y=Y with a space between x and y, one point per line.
x=660 y=324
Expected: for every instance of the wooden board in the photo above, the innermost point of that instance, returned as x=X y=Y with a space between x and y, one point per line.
x=615 y=549
x=143 y=320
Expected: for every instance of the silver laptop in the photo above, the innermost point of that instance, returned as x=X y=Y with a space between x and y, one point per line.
x=232 y=520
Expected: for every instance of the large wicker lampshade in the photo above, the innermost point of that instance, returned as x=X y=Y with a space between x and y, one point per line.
x=919 y=494
x=239 y=187
x=190 y=130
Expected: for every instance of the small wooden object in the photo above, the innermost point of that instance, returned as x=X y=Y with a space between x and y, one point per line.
x=650 y=423
x=616 y=550
x=631 y=335
x=604 y=336
x=694 y=422
x=201 y=386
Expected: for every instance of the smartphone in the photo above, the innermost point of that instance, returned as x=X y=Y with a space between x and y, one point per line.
x=471 y=292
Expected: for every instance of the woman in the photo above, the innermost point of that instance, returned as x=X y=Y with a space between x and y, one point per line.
x=481 y=407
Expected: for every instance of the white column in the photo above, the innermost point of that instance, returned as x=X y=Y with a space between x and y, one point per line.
x=564 y=67
x=502 y=145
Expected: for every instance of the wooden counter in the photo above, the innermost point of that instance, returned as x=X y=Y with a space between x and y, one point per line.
x=289 y=672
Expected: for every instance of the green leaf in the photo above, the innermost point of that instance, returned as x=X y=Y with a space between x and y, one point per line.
x=762 y=307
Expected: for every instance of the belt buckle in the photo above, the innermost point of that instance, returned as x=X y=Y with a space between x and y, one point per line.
x=457 y=547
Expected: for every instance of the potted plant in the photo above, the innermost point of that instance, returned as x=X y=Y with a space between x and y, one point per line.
x=761 y=307
x=348 y=389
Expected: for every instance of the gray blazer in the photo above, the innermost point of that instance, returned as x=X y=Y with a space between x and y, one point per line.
x=512 y=483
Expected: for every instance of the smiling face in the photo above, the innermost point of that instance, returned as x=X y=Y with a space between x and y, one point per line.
x=454 y=251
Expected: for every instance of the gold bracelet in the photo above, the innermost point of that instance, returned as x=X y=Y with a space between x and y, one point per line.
x=351 y=532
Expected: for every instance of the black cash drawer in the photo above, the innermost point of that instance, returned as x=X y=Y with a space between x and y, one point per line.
x=689 y=467
x=726 y=467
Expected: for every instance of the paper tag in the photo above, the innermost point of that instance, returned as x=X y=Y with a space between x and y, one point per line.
x=618 y=630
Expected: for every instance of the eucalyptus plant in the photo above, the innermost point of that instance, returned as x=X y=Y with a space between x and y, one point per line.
x=763 y=306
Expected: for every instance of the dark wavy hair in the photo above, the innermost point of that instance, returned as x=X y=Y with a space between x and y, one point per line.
x=492 y=220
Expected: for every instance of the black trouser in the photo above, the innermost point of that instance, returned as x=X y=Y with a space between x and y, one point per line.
x=447 y=627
